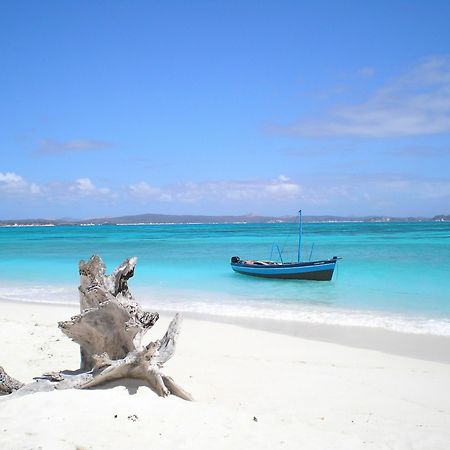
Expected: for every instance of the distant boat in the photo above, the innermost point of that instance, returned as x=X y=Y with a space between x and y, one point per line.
x=307 y=270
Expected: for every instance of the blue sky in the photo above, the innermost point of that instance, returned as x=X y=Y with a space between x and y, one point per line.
x=222 y=107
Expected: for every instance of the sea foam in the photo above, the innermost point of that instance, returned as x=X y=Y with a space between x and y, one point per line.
x=204 y=303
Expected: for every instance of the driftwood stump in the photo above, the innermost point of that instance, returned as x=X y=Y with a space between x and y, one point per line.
x=7 y=383
x=109 y=331
x=110 y=320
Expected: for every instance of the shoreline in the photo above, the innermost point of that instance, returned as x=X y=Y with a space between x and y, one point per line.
x=419 y=346
x=12 y=223
x=241 y=306
x=422 y=346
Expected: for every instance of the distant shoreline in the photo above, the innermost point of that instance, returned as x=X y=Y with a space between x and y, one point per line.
x=161 y=219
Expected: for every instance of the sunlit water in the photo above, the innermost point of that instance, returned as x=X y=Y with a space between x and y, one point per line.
x=393 y=275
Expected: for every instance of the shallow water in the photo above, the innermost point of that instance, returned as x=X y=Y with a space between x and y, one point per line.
x=393 y=275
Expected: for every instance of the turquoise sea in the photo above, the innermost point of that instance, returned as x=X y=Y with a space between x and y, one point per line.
x=392 y=275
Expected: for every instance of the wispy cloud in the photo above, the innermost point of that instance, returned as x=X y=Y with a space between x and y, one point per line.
x=416 y=103
x=386 y=193
x=338 y=194
x=421 y=151
x=52 y=147
x=190 y=192
x=414 y=186
x=308 y=151
x=144 y=190
x=366 y=72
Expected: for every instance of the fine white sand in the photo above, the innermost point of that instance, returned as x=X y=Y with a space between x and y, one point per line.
x=253 y=389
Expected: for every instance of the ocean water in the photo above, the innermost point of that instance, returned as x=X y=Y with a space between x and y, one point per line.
x=392 y=275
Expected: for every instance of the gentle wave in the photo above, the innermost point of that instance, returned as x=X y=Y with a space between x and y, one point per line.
x=64 y=295
x=201 y=302
x=349 y=318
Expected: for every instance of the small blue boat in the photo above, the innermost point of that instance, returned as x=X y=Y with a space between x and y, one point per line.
x=308 y=270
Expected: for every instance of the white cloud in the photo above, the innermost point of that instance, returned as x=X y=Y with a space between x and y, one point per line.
x=85 y=187
x=416 y=103
x=338 y=194
x=284 y=188
x=11 y=183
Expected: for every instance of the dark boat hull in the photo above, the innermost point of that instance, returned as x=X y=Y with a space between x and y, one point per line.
x=314 y=270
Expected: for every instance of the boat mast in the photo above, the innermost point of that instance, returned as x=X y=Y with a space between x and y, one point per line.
x=299 y=236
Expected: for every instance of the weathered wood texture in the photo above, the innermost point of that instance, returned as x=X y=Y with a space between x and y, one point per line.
x=8 y=384
x=110 y=320
x=109 y=331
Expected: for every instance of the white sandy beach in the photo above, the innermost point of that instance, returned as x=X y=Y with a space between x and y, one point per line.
x=253 y=389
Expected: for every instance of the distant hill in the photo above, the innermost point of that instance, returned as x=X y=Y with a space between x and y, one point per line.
x=442 y=218
x=167 y=218
x=179 y=219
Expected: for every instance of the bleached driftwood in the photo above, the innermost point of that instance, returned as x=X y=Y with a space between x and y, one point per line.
x=110 y=320
x=8 y=384
x=109 y=330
